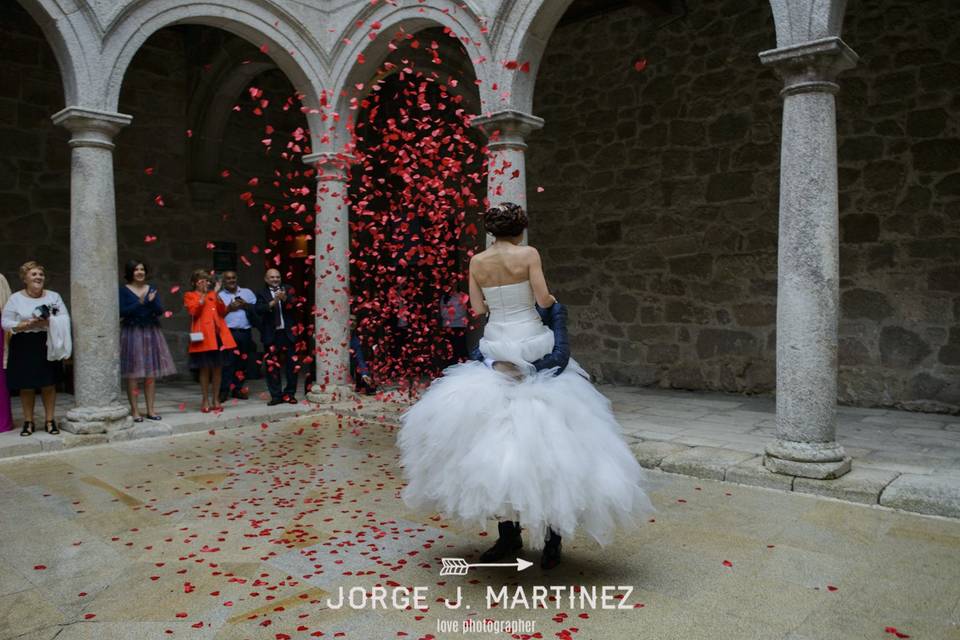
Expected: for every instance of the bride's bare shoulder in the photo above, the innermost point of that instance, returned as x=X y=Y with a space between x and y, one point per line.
x=479 y=258
x=529 y=252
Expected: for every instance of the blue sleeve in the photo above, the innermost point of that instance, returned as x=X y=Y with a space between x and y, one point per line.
x=128 y=303
x=157 y=305
x=560 y=356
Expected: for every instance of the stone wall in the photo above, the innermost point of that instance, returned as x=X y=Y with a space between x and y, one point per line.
x=658 y=215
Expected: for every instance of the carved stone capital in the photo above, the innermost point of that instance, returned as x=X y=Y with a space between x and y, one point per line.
x=330 y=165
x=507 y=128
x=90 y=127
x=811 y=66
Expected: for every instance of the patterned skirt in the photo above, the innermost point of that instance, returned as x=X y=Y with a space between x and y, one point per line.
x=144 y=353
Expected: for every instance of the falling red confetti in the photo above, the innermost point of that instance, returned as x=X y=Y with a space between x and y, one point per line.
x=158 y=199
x=727 y=563
x=419 y=170
x=640 y=64
x=39 y=567
x=148 y=239
x=894 y=631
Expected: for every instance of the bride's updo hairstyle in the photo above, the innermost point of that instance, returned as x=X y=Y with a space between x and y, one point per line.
x=505 y=220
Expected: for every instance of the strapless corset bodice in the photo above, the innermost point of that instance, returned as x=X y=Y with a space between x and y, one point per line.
x=514 y=331
x=511 y=303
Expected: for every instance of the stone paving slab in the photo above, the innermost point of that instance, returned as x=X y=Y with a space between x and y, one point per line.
x=924 y=494
x=650 y=453
x=704 y=462
x=861 y=484
x=752 y=472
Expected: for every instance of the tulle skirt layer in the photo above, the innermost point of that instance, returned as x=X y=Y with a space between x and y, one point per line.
x=546 y=451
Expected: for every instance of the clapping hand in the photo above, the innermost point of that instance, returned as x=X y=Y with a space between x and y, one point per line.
x=152 y=295
x=237 y=303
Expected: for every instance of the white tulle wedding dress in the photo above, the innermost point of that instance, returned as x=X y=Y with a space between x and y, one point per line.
x=546 y=450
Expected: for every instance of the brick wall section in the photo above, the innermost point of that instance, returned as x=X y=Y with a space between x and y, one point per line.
x=658 y=219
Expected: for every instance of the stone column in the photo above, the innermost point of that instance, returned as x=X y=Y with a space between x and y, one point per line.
x=507 y=170
x=332 y=279
x=808 y=270
x=99 y=406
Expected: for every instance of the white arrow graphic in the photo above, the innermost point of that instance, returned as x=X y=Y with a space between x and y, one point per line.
x=459 y=566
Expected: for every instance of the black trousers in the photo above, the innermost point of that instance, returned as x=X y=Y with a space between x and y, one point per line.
x=237 y=361
x=457 y=337
x=277 y=357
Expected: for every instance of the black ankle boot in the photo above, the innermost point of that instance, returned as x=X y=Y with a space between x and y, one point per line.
x=509 y=542
x=551 y=551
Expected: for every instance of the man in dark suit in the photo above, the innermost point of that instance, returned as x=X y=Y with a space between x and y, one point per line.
x=276 y=308
x=509 y=540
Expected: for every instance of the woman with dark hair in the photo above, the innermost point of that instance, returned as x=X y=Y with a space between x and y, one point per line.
x=144 y=354
x=501 y=439
x=209 y=335
x=30 y=314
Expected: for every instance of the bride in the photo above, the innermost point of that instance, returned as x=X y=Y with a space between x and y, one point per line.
x=502 y=440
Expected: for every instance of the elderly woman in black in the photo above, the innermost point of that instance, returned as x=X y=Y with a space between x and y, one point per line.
x=28 y=314
x=144 y=354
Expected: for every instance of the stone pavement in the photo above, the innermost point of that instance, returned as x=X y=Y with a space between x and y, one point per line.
x=179 y=405
x=904 y=460
x=901 y=459
x=245 y=533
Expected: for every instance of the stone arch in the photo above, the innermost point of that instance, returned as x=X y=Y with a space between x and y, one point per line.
x=66 y=36
x=210 y=109
x=531 y=24
x=462 y=19
x=282 y=37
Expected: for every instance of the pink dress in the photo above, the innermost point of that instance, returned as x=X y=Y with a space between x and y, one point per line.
x=6 y=418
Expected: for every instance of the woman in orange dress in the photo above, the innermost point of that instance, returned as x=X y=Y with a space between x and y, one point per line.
x=209 y=335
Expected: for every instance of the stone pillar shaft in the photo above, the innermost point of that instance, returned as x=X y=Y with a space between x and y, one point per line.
x=93 y=270
x=506 y=169
x=808 y=263
x=332 y=280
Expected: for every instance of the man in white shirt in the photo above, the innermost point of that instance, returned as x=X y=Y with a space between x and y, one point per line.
x=241 y=318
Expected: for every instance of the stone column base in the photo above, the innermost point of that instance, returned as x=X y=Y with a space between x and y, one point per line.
x=87 y=420
x=818 y=460
x=331 y=393
x=815 y=470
